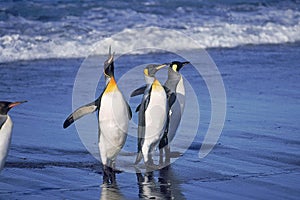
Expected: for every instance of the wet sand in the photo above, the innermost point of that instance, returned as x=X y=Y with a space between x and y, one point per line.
x=256 y=157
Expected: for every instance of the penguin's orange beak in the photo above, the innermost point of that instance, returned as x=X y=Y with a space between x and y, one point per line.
x=13 y=104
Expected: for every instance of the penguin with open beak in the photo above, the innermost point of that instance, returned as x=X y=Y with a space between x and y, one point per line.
x=114 y=114
x=152 y=115
x=6 y=126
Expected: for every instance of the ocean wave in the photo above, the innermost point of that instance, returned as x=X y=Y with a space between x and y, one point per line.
x=31 y=35
x=23 y=47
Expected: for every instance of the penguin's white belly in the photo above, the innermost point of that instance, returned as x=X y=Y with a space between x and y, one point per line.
x=155 y=117
x=5 y=140
x=180 y=94
x=113 y=120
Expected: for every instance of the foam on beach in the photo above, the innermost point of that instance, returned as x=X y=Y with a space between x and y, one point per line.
x=33 y=34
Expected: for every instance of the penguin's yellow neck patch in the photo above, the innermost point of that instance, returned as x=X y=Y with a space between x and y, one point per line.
x=111 y=86
x=156 y=85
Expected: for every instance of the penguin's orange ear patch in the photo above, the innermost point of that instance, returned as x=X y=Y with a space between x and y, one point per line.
x=146 y=72
x=174 y=67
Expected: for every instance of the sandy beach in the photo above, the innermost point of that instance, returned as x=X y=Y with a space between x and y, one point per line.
x=256 y=157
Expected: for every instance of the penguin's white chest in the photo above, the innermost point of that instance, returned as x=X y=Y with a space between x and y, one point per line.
x=156 y=114
x=180 y=94
x=5 y=140
x=113 y=113
x=113 y=122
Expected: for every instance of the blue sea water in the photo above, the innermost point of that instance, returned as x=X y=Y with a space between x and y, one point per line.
x=64 y=29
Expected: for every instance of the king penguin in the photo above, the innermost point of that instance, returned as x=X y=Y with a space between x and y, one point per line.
x=114 y=114
x=175 y=89
x=6 y=126
x=152 y=114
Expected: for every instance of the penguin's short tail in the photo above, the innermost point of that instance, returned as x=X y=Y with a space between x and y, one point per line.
x=138 y=158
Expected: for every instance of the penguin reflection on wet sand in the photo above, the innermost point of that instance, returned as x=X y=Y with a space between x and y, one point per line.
x=161 y=184
x=111 y=192
x=174 y=87
x=6 y=126
x=152 y=115
x=114 y=114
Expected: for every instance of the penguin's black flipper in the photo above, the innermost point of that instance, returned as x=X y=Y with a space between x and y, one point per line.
x=141 y=132
x=129 y=111
x=170 y=95
x=138 y=91
x=167 y=90
x=80 y=112
x=141 y=136
x=171 y=99
x=138 y=108
x=146 y=100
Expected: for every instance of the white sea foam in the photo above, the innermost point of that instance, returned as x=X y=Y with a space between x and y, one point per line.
x=92 y=32
x=18 y=47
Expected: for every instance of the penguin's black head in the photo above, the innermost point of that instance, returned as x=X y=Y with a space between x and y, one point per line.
x=109 y=65
x=151 y=69
x=5 y=106
x=176 y=65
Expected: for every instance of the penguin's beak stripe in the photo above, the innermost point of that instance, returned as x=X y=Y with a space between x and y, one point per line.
x=16 y=103
x=161 y=66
